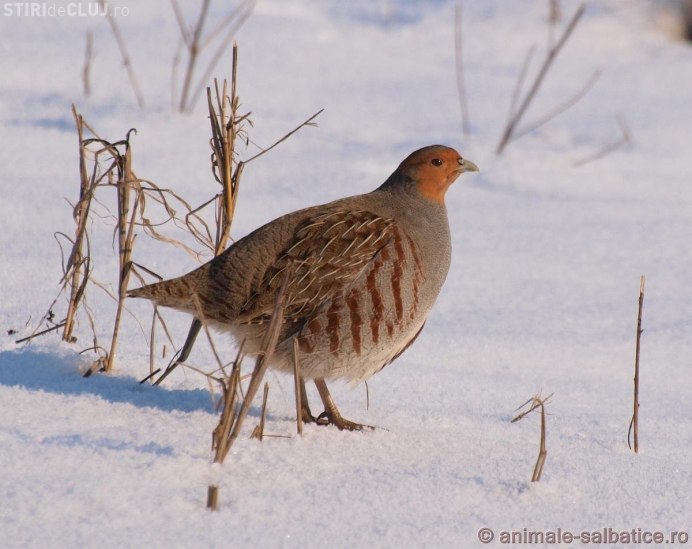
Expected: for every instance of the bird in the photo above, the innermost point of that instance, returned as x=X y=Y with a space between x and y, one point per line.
x=359 y=277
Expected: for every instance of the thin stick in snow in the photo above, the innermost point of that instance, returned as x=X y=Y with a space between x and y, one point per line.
x=258 y=432
x=86 y=70
x=213 y=497
x=634 y=424
x=123 y=52
x=461 y=87
x=298 y=388
x=590 y=83
x=550 y=57
x=624 y=139
x=536 y=402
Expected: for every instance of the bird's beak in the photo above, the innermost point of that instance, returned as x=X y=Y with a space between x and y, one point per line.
x=467 y=166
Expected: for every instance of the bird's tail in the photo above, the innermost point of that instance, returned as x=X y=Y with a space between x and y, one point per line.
x=176 y=293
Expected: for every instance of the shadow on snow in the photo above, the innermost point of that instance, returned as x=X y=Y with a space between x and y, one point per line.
x=58 y=374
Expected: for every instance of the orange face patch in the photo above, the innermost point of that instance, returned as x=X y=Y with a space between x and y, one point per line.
x=433 y=169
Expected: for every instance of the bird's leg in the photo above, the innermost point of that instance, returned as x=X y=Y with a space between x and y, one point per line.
x=305 y=404
x=331 y=415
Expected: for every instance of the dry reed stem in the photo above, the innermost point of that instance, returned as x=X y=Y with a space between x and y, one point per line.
x=536 y=402
x=624 y=139
x=125 y=56
x=152 y=342
x=110 y=168
x=550 y=57
x=73 y=270
x=181 y=23
x=262 y=363
x=634 y=424
x=220 y=436
x=568 y=104
x=225 y=127
x=258 y=431
x=196 y=43
x=241 y=13
x=213 y=497
x=86 y=70
x=518 y=86
x=298 y=387
x=554 y=17
x=542 y=453
x=126 y=238
x=42 y=332
x=192 y=43
x=308 y=122
x=461 y=87
x=555 y=12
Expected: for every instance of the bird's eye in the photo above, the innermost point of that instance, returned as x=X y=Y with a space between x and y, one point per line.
x=436 y=162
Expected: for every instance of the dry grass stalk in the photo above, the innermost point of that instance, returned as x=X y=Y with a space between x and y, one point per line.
x=226 y=125
x=258 y=431
x=213 y=497
x=535 y=403
x=461 y=87
x=195 y=44
x=308 y=122
x=86 y=70
x=238 y=17
x=555 y=12
x=220 y=436
x=77 y=262
x=126 y=237
x=262 y=363
x=512 y=123
x=542 y=453
x=111 y=168
x=554 y=17
x=568 y=104
x=298 y=386
x=125 y=56
x=192 y=43
x=624 y=139
x=156 y=317
x=518 y=86
x=634 y=424
x=36 y=334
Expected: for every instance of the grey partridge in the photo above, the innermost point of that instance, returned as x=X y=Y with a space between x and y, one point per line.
x=361 y=275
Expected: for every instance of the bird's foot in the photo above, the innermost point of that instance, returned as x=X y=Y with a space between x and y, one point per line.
x=308 y=417
x=341 y=423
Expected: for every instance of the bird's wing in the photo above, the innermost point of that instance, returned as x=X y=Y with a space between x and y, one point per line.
x=325 y=256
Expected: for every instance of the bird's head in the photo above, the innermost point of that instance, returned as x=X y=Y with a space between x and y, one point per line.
x=433 y=169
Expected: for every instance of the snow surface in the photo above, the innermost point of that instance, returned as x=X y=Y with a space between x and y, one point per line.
x=542 y=293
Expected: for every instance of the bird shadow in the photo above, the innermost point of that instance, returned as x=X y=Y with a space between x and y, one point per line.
x=60 y=374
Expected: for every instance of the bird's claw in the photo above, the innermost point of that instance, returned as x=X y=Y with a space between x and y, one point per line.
x=325 y=418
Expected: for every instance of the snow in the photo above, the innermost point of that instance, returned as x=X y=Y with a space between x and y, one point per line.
x=541 y=296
